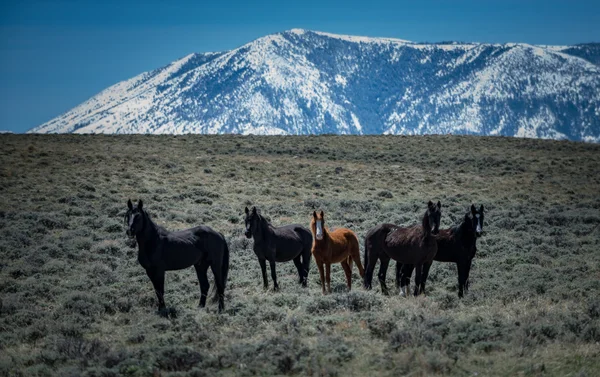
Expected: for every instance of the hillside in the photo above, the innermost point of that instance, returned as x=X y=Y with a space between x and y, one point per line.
x=307 y=82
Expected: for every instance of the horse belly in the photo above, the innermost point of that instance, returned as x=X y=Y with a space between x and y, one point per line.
x=181 y=259
x=287 y=250
x=285 y=257
x=407 y=254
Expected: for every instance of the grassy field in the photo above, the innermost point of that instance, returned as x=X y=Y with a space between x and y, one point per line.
x=76 y=302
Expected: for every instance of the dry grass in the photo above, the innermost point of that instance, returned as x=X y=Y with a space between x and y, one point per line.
x=75 y=301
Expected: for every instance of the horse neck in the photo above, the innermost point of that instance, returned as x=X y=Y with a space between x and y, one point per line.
x=465 y=233
x=147 y=239
x=263 y=229
x=426 y=226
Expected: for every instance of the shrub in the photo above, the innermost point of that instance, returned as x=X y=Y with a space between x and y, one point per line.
x=177 y=359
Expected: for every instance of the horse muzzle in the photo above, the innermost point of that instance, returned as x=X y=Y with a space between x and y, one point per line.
x=130 y=233
x=248 y=234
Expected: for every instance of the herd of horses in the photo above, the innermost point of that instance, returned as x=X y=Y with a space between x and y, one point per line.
x=413 y=248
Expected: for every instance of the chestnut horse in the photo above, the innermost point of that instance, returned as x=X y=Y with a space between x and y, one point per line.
x=338 y=246
x=415 y=245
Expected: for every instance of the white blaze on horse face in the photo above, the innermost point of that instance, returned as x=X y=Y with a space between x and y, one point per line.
x=478 y=230
x=403 y=291
x=248 y=226
x=319 y=231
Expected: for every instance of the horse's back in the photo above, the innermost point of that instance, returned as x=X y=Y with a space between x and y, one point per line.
x=404 y=237
x=344 y=235
x=184 y=248
x=290 y=241
x=410 y=245
x=293 y=232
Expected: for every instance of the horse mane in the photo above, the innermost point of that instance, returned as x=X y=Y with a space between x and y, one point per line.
x=425 y=224
x=158 y=228
x=264 y=224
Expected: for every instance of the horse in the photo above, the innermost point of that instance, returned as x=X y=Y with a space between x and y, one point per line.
x=278 y=244
x=161 y=250
x=338 y=246
x=413 y=245
x=456 y=245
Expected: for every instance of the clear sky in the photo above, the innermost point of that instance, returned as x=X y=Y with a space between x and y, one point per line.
x=56 y=54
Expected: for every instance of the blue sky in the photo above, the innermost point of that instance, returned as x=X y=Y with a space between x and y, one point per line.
x=56 y=54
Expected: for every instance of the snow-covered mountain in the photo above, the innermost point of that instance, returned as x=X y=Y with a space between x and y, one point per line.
x=308 y=82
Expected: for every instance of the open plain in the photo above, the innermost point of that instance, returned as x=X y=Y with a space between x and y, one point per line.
x=76 y=302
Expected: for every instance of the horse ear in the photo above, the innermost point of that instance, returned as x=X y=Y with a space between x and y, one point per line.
x=481 y=209
x=315 y=214
x=473 y=210
x=254 y=210
x=439 y=204
x=246 y=210
x=429 y=204
x=140 y=204
x=129 y=204
x=322 y=214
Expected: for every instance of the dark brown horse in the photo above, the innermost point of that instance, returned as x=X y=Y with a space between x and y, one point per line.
x=456 y=245
x=415 y=245
x=161 y=250
x=338 y=246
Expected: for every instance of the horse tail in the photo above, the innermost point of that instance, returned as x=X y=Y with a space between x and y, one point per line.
x=366 y=256
x=225 y=265
x=355 y=254
x=224 y=270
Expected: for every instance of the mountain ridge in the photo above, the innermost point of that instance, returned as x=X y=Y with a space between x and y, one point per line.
x=310 y=82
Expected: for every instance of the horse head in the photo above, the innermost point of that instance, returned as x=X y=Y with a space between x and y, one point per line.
x=477 y=219
x=135 y=218
x=433 y=216
x=317 y=225
x=251 y=221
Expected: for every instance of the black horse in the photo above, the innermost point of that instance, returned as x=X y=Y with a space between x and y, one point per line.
x=456 y=245
x=161 y=250
x=282 y=244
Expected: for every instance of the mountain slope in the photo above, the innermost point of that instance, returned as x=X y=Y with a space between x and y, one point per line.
x=305 y=82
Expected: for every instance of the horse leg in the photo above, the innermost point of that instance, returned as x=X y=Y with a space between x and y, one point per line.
x=322 y=274
x=273 y=274
x=385 y=262
x=467 y=273
x=307 y=255
x=263 y=268
x=158 y=281
x=399 y=267
x=201 y=269
x=218 y=274
x=405 y=273
x=462 y=277
x=418 y=276
x=298 y=264
x=424 y=275
x=370 y=266
x=348 y=271
x=328 y=276
x=355 y=256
